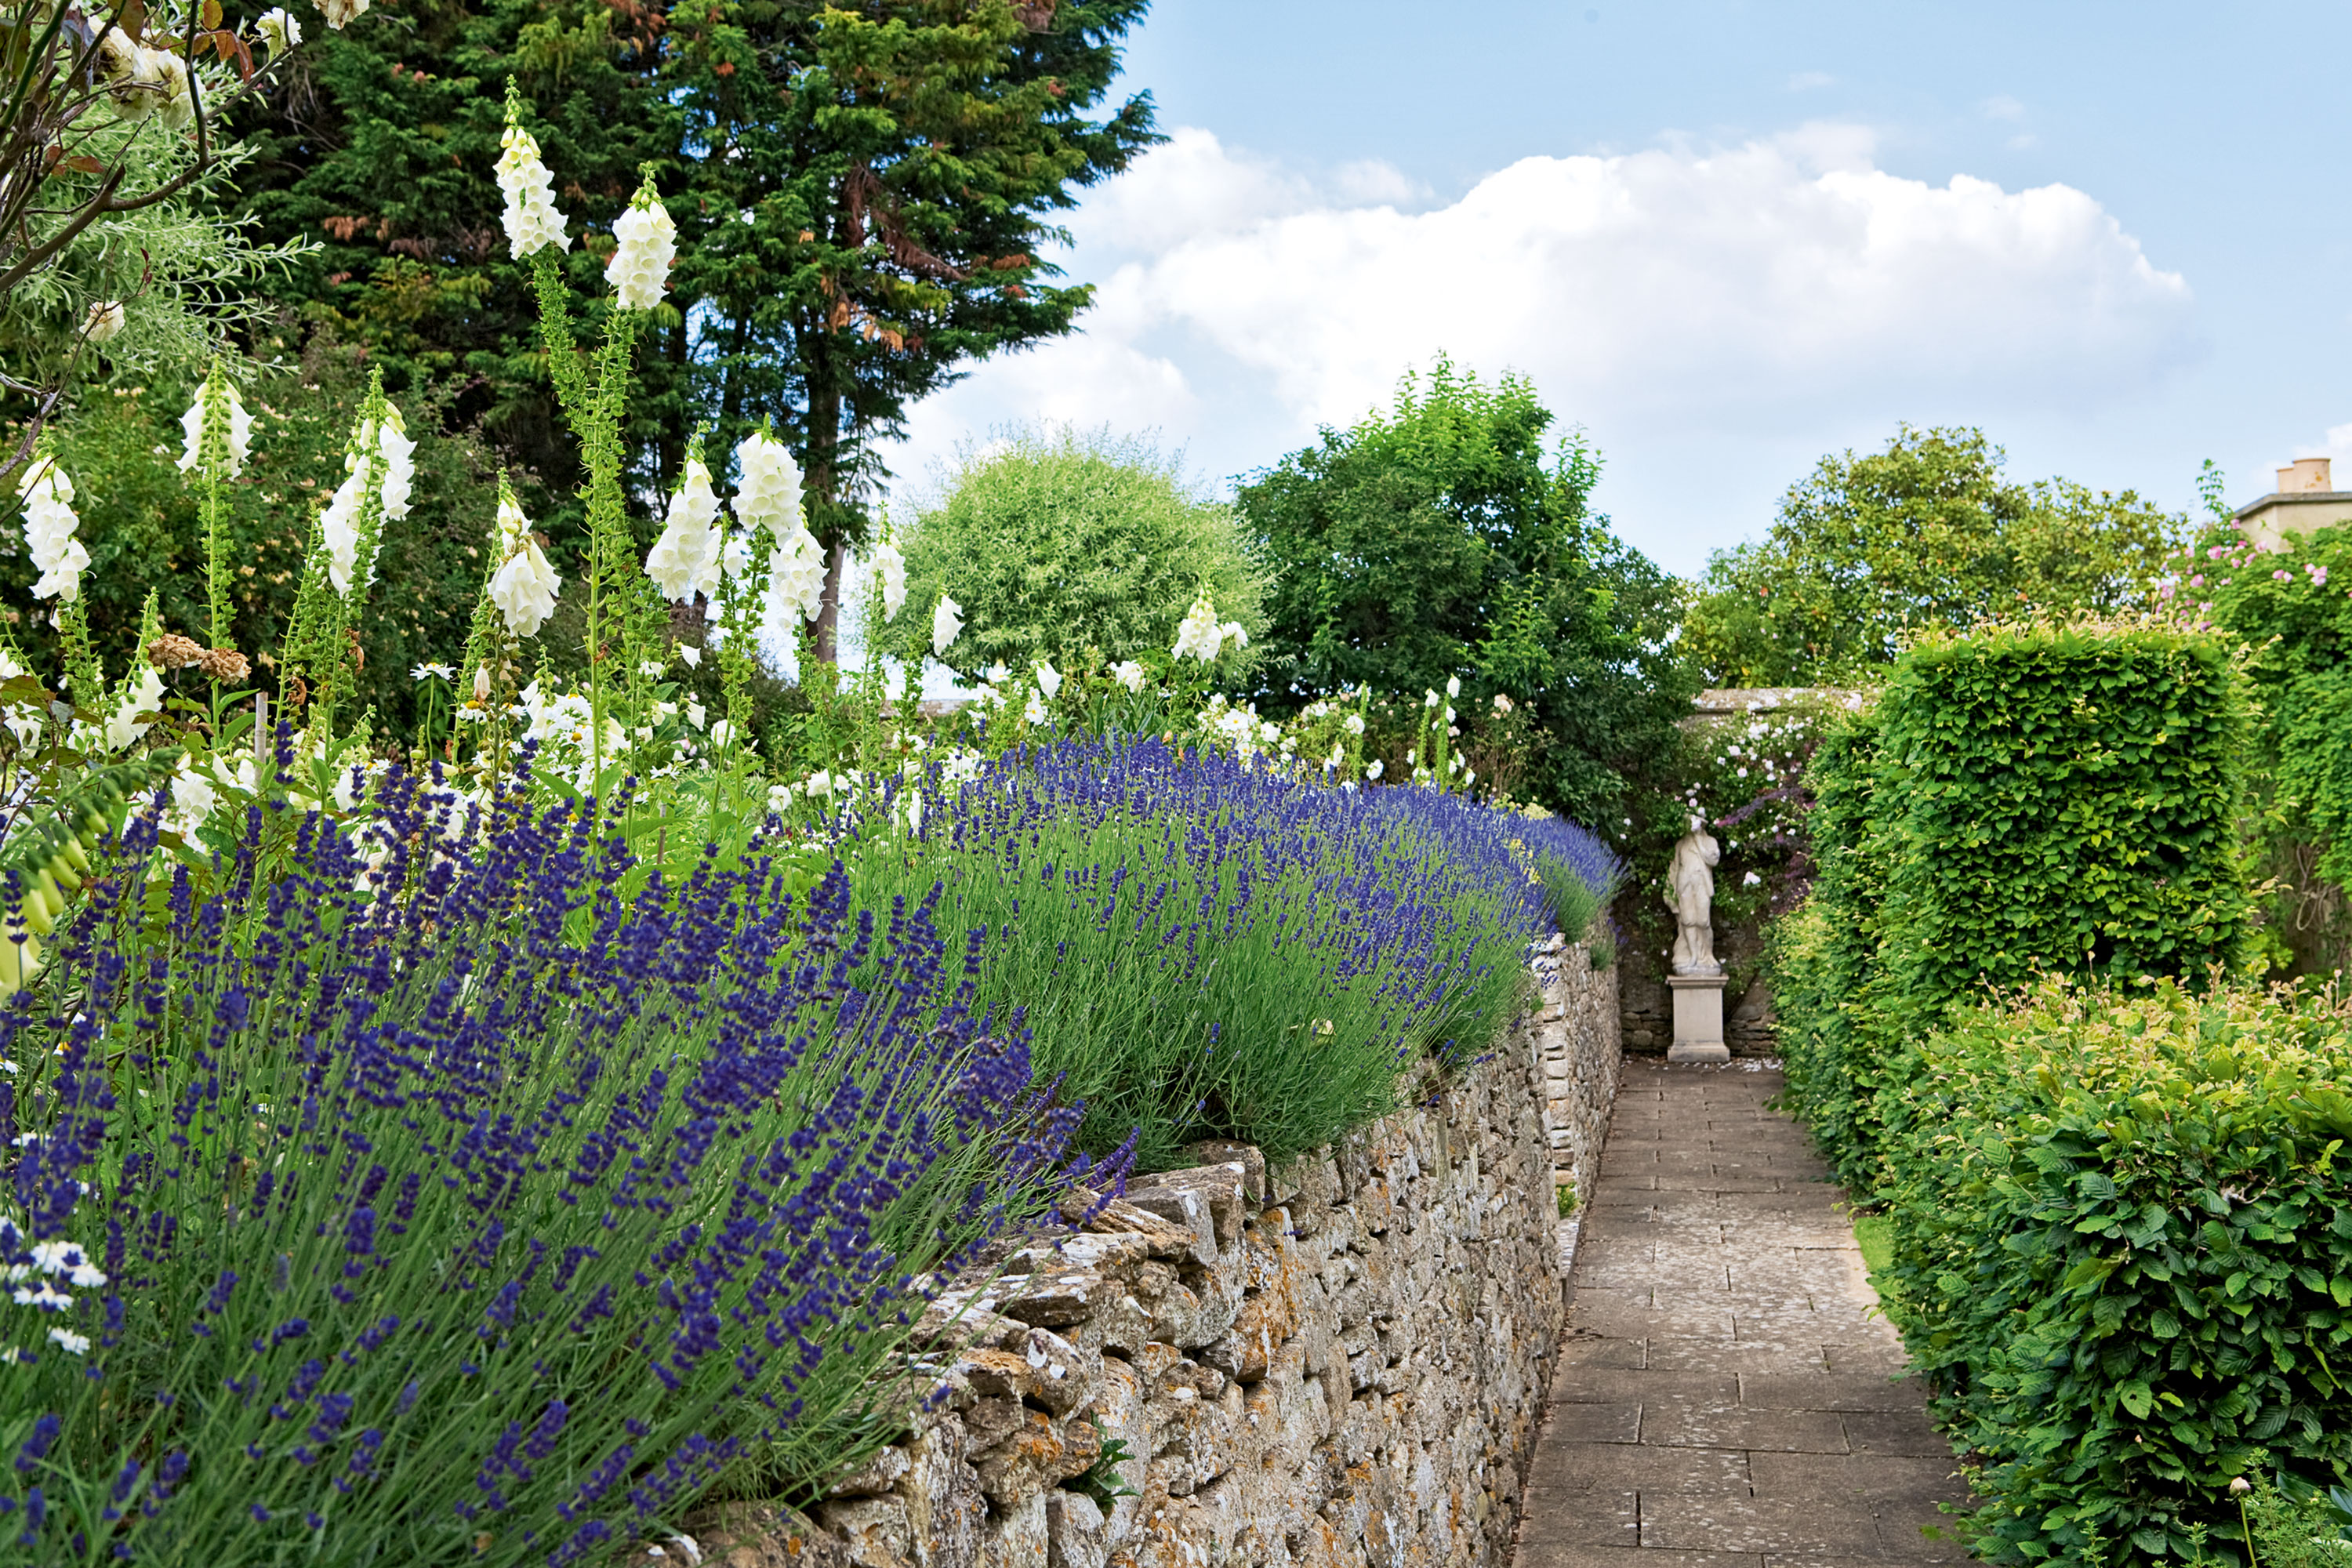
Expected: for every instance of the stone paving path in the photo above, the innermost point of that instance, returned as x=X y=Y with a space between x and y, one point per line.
x=1724 y=1398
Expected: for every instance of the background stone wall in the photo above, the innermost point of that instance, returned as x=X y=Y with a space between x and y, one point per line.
x=1343 y=1362
x=1647 y=1008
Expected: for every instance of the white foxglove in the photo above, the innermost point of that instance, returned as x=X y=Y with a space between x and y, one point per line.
x=1049 y=679
x=795 y=582
x=531 y=219
x=339 y=526
x=240 y=427
x=684 y=559
x=399 y=463
x=524 y=587
x=770 y=489
x=49 y=524
x=646 y=243
x=145 y=695
x=1200 y=636
x=892 y=566
x=1129 y=675
x=1232 y=632
x=947 y=623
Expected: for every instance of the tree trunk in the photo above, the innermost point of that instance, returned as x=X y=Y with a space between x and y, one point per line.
x=821 y=478
x=828 y=617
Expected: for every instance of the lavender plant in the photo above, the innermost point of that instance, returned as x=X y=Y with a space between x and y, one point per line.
x=1211 y=948
x=432 y=1202
x=1578 y=871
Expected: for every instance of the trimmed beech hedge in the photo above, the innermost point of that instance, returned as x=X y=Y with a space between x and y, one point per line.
x=2022 y=800
x=2122 y=1234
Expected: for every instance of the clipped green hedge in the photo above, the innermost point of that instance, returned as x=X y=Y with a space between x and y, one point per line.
x=2062 y=798
x=1823 y=955
x=2122 y=1234
x=2023 y=800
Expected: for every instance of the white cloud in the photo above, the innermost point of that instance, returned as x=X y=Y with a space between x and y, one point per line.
x=1806 y=81
x=2002 y=107
x=1671 y=300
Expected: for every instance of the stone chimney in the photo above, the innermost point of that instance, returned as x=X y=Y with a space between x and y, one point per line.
x=2303 y=474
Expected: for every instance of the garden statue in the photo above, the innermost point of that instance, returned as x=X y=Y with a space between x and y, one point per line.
x=1690 y=893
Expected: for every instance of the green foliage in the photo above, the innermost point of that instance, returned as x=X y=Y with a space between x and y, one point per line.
x=141 y=524
x=1074 y=547
x=2122 y=1256
x=2022 y=800
x=863 y=197
x=185 y=272
x=1870 y=551
x=2062 y=798
x=2289 y=601
x=1195 y=966
x=1823 y=956
x=1442 y=538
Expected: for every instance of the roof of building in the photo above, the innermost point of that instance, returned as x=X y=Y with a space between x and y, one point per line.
x=2291 y=498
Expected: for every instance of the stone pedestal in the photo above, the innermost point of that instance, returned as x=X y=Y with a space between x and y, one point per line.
x=1698 y=1019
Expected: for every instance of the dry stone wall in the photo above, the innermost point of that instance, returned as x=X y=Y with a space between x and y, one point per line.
x=1576 y=1041
x=1337 y=1362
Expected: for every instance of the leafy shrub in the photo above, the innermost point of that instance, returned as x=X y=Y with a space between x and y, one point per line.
x=1062 y=543
x=2025 y=800
x=1207 y=949
x=2061 y=797
x=439 y=1204
x=2122 y=1242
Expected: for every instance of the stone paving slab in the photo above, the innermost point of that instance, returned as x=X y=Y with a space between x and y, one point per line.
x=1725 y=1395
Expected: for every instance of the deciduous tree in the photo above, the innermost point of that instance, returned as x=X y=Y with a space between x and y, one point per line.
x=1443 y=539
x=1867 y=551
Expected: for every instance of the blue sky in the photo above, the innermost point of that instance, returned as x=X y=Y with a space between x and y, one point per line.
x=1725 y=238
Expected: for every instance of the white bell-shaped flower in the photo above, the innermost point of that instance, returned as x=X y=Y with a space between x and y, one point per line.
x=49 y=524
x=240 y=426
x=684 y=559
x=947 y=625
x=524 y=587
x=339 y=526
x=891 y=564
x=530 y=219
x=1200 y=636
x=795 y=582
x=279 y=29
x=646 y=243
x=769 y=491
